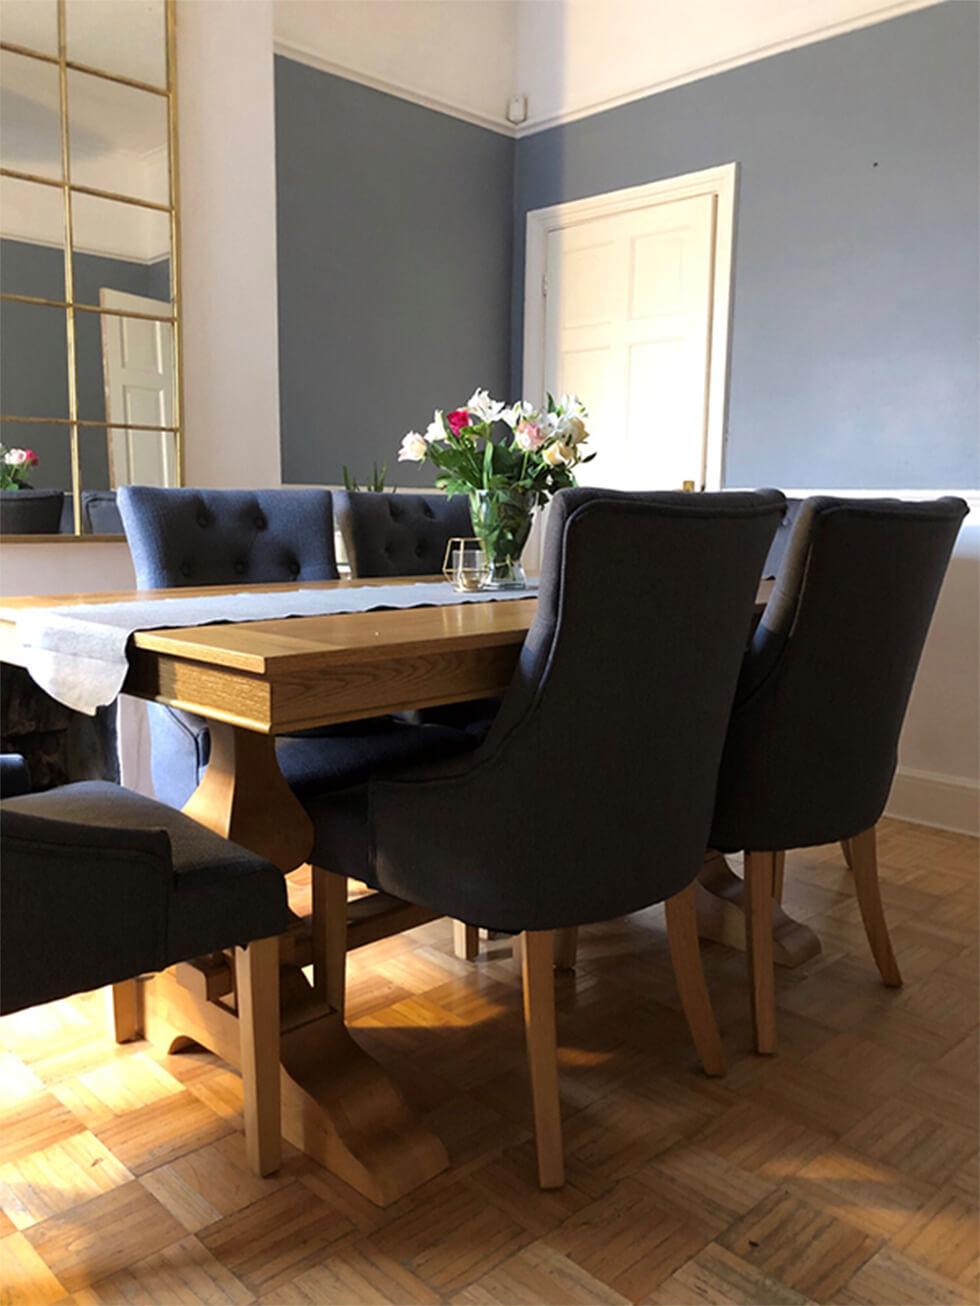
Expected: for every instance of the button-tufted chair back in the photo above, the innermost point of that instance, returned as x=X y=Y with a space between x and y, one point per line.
x=227 y=537
x=399 y=534
x=217 y=537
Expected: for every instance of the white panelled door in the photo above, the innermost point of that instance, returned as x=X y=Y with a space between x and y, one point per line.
x=628 y=303
x=138 y=366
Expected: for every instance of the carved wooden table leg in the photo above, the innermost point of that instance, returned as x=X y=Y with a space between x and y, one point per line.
x=244 y=797
x=338 y=1105
x=721 y=916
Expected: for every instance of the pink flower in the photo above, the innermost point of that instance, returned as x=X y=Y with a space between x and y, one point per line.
x=32 y=459
x=529 y=436
x=457 y=419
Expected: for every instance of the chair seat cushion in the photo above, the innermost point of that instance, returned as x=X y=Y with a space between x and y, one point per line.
x=341 y=833
x=340 y=810
x=223 y=894
x=318 y=763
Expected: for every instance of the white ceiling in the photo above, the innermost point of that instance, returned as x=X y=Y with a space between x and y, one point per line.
x=569 y=57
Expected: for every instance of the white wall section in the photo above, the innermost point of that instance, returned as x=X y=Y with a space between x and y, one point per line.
x=577 y=57
x=459 y=56
x=226 y=116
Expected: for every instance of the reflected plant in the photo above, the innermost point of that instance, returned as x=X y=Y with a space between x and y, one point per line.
x=375 y=483
x=15 y=464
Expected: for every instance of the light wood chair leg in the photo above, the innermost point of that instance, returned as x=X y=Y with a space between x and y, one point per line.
x=845 y=847
x=759 y=871
x=257 y=987
x=778 y=874
x=685 y=953
x=127 y=1013
x=864 y=864
x=566 y=948
x=538 y=967
x=466 y=941
x=330 y=937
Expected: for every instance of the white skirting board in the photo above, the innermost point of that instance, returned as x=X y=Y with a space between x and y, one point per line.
x=947 y=802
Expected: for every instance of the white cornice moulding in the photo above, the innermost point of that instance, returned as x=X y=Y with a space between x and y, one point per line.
x=824 y=33
x=305 y=55
x=301 y=54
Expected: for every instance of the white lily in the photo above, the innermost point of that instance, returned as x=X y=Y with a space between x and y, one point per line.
x=436 y=430
x=516 y=413
x=482 y=406
x=413 y=448
x=572 y=406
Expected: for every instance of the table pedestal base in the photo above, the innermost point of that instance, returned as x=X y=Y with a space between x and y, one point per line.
x=721 y=916
x=338 y=1105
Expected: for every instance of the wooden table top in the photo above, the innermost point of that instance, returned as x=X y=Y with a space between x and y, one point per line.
x=293 y=643
x=296 y=672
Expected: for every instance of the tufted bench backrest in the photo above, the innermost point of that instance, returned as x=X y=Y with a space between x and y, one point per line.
x=227 y=537
x=399 y=534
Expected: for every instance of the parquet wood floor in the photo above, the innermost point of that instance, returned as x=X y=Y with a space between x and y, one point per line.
x=844 y=1170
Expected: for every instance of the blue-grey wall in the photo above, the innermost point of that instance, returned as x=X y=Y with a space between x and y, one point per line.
x=33 y=368
x=394 y=231
x=854 y=347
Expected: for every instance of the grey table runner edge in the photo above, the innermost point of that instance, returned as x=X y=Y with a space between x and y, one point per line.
x=78 y=652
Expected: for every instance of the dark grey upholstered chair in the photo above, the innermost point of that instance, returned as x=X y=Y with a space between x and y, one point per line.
x=99 y=885
x=812 y=745
x=100 y=515
x=228 y=537
x=592 y=794
x=399 y=534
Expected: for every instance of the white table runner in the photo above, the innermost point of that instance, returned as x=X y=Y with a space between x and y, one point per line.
x=77 y=653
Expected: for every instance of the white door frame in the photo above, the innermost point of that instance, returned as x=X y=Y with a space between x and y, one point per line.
x=722 y=182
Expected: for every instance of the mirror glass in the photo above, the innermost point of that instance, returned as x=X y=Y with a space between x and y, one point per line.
x=120 y=247
x=43 y=514
x=32 y=24
x=125 y=367
x=125 y=37
x=33 y=361
x=32 y=240
x=30 y=109
x=115 y=115
x=117 y=138
x=141 y=457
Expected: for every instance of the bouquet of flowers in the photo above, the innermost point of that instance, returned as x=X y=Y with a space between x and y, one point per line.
x=507 y=477
x=14 y=467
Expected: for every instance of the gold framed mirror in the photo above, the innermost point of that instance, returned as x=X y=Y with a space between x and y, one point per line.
x=90 y=376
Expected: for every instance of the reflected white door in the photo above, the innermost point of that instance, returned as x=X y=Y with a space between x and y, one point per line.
x=627 y=326
x=138 y=368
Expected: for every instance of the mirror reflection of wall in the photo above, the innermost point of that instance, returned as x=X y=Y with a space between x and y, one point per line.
x=88 y=343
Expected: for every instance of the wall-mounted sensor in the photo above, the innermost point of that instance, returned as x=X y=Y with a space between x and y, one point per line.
x=517 y=109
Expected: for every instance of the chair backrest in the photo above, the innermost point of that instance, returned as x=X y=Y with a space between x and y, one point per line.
x=593 y=792
x=399 y=534
x=100 y=512
x=812 y=746
x=780 y=541
x=227 y=537
x=83 y=905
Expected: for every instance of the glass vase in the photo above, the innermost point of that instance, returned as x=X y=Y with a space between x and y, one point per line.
x=502 y=523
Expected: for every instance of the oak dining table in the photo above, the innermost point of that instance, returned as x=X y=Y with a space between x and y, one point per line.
x=258 y=679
